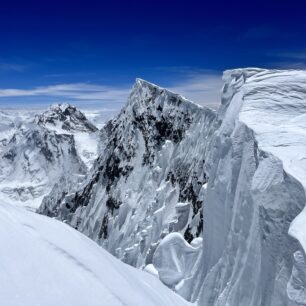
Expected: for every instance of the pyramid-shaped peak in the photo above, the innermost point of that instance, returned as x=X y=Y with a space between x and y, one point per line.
x=144 y=92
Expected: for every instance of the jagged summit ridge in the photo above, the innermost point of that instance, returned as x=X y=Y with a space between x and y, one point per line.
x=142 y=84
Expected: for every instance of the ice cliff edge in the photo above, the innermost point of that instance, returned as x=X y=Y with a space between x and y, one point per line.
x=256 y=188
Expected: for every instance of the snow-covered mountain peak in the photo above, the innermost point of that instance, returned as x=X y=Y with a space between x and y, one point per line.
x=141 y=82
x=147 y=181
x=32 y=160
x=58 y=145
x=63 y=107
x=147 y=93
x=65 y=118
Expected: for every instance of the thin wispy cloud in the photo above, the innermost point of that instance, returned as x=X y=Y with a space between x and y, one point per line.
x=287 y=60
x=199 y=85
x=299 y=65
x=74 y=91
x=69 y=75
x=185 y=70
x=202 y=88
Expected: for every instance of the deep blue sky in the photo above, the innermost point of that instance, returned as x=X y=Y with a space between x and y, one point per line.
x=109 y=43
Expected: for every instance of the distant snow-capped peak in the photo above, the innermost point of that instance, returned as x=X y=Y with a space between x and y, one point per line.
x=65 y=118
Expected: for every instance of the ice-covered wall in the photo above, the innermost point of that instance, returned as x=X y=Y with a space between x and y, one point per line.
x=148 y=181
x=256 y=167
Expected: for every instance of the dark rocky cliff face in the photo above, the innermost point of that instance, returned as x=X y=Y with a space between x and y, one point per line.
x=148 y=182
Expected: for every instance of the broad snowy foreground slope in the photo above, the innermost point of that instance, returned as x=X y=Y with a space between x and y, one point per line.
x=46 y=263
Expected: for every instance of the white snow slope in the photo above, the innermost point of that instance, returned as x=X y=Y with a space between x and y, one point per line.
x=46 y=263
x=256 y=188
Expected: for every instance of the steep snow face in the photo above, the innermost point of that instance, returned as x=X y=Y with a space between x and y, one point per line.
x=282 y=126
x=45 y=262
x=256 y=188
x=58 y=147
x=149 y=181
x=32 y=160
x=67 y=119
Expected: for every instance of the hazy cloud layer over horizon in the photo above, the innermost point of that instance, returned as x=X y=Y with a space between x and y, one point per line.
x=201 y=87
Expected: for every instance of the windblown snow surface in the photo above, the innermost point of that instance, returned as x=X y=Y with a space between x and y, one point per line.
x=46 y=263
